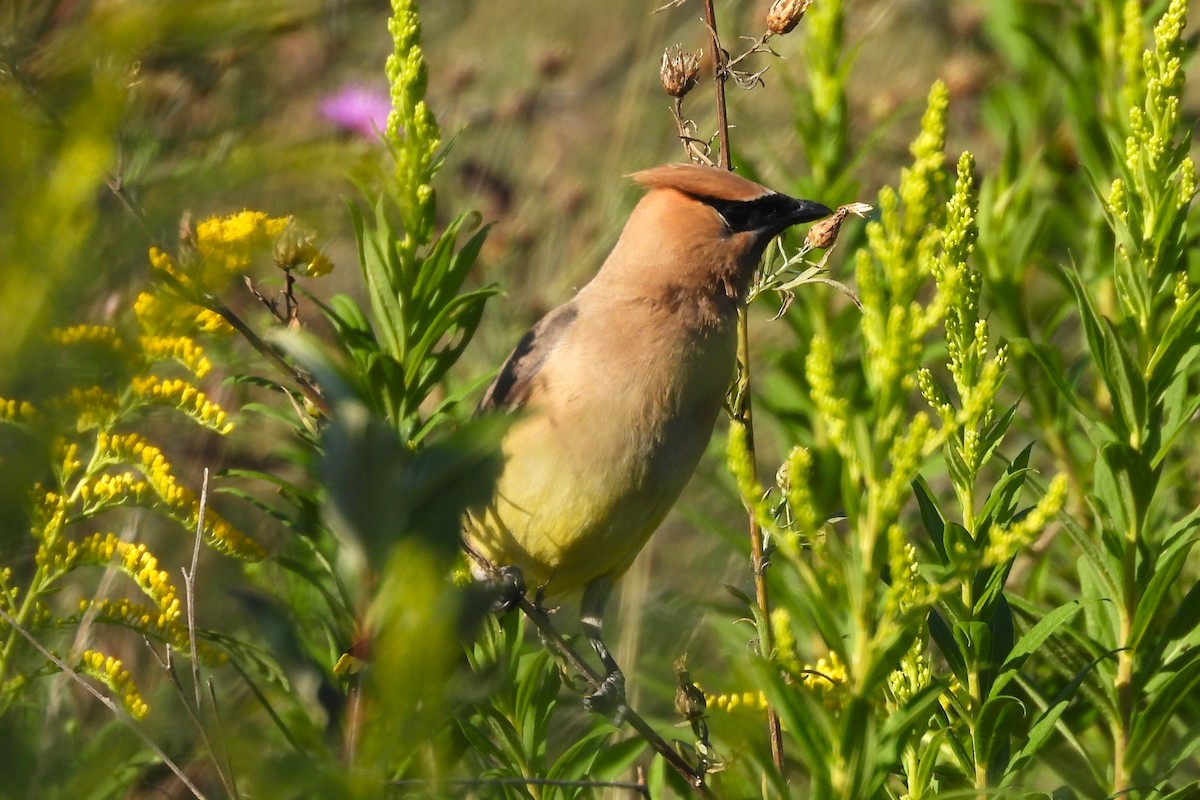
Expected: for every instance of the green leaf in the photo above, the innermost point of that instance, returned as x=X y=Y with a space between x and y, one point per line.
x=1176 y=347
x=943 y=636
x=994 y=726
x=379 y=490
x=1048 y=721
x=1189 y=792
x=1033 y=638
x=1055 y=373
x=615 y=758
x=931 y=517
x=1179 y=406
x=382 y=271
x=1167 y=568
x=1002 y=499
x=995 y=435
x=1184 y=625
x=1031 y=641
x=1152 y=722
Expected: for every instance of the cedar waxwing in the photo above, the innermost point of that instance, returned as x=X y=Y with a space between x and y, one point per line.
x=620 y=387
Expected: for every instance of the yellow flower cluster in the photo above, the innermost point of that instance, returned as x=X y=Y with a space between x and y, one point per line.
x=167 y=315
x=112 y=673
x=184 y=349
x=180 y=394
x=102 y=335
x=785 y=640
x=133 y=559
x=912 y=676
x=1012 y=539
x=756 y=701
x=92 y=407
x=135 y=616
x=68 y=459
x=296 y=252
x=827 y=677
x=16 y=411
x=908 y=589
x=109 y=490
x=179 y=501
x=227 y=245
x=49 y=514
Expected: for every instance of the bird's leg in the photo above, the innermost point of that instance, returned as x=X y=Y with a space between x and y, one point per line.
x=609 y=698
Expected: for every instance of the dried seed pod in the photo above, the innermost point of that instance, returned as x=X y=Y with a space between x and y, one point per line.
x=678 y=71
x=785 y=15
x=823 y=234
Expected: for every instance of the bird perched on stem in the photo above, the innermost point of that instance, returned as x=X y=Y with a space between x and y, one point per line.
x=619 y=389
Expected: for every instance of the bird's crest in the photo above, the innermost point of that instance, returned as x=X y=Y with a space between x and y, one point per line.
x=700 y=181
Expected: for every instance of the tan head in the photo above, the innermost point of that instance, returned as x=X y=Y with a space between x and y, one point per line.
x=702 y=230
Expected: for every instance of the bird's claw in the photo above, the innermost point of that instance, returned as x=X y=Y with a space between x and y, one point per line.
x=609 y=699
x=509 y=587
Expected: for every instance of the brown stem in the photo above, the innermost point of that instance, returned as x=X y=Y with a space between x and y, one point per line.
x=303 y=383
x=718 y=59
x=743 y=415
x=742 y=412
x=564 y=651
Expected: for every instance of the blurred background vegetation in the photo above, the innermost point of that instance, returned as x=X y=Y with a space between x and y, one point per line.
x=121 y=120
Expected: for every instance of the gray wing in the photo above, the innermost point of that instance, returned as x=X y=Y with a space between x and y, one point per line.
x=510 y=389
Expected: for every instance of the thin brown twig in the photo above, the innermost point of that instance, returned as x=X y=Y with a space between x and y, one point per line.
x=665 y=6
x=742 y=411
x=168 y=667
x=719 y=58
x=106 y=701
x=697 y=149
x=189 y=588
x=303 y=383
x=561 y=648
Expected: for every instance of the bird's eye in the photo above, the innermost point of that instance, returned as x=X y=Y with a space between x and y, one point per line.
x=736 y=215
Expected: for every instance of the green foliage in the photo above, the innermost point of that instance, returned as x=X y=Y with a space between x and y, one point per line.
x=981 y=544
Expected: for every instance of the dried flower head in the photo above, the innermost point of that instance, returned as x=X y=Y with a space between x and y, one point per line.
x=823 y=234
x=679 y=70
x=785 y=15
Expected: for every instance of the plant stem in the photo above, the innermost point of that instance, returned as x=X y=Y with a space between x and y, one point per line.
x=1123 y=685
x=742 y=413
x=718 y=61
x=555 y=641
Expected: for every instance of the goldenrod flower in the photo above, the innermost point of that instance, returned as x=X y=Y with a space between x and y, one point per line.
x=103 y=335
x=296 y=252
x=140 y=618
x=756 y=701
x=182 y=395
x=228 y=245
x=16 y=411
x=167 y=315
x=1004 y=543
x=183 y=349
x=92 y=407
x=180 y=502
x=112 y=673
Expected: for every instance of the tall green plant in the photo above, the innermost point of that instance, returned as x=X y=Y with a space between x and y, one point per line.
x=1139 y=310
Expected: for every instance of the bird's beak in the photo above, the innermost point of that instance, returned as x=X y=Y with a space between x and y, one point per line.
x=806 y=211
x=775 y=213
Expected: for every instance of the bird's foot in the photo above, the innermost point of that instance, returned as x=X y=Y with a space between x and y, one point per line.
x=509 y=586
x=609 y=699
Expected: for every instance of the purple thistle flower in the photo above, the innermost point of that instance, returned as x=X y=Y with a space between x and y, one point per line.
x=362 y=110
